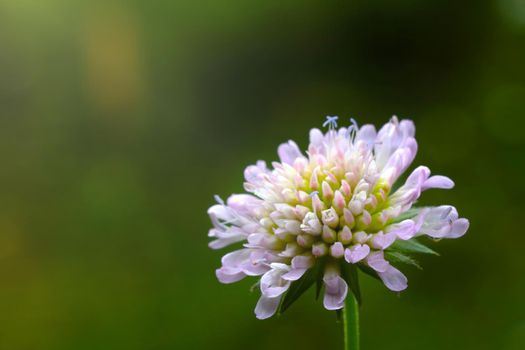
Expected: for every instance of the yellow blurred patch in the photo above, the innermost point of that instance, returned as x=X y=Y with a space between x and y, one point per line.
x=110 y=41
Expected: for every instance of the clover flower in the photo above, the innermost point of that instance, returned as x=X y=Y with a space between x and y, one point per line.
x=315 y=215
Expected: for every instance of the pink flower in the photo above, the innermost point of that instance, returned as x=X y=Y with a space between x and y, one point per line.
x=332 y=205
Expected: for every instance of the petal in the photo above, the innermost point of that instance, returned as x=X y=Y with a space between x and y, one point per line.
x=442 y=222
x=393 y=279
x=418 y=177
x=303 y=261
x=335 y=292
x=256 y=264
x=438 y=181
x=254 y=173
x=366 y=133
x=356 y=253
x=383 y=241
x=294 y=274
x=220 y=213
x=288 y=152
x=316 y=137
x=377 y=261
x=404 y=230
x=337 y=250
x=224 y=242
x=411 y=190
x=459 y=228
x=229 y=275
x=407 y=127
x=226 y=237
x=272 y=283
x=399 y=161
x=389 y=138
x=236 y=258
x=244 y=204
x=266 y=307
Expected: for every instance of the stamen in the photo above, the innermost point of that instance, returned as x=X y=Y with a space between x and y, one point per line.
x=352 y=130
x=354 y=123
x=331 y=122
x=394 y=120
x=218 y=199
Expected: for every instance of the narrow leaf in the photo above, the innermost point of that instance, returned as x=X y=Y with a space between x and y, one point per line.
x=394 y=257
x=411 y=246
x=318 y=287
x=369 y=271
x=300 y=286
x=409 y=214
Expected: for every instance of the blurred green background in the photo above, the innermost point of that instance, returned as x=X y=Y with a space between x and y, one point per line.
x=119 y=121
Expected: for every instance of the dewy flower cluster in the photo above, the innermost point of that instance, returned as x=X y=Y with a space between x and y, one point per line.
x=331 y=206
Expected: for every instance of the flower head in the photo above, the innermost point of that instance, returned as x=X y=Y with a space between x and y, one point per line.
x=332 y=208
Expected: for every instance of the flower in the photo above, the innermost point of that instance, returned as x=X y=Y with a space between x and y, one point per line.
x=332 y=207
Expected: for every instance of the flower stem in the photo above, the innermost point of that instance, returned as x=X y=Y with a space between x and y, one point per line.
x=351 y=322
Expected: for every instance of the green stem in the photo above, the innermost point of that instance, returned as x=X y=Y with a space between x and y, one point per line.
x=351 y=322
